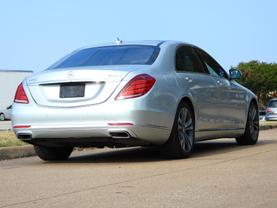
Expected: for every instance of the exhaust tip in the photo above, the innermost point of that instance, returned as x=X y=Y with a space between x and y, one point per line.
x=120 y=135
x=24 y=136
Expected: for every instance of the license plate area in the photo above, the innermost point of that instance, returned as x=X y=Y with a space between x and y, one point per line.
x=72 y=90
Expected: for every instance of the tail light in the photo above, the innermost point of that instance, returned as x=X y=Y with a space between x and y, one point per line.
x=268 y=110
x=136 y=87
x=20 y=95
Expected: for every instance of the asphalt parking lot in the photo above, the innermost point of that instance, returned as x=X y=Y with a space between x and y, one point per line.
x=219 y=174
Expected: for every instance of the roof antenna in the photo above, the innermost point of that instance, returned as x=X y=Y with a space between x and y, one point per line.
x=118 y=41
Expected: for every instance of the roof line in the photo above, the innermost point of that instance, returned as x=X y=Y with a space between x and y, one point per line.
x=160 y=43
x=14 y=70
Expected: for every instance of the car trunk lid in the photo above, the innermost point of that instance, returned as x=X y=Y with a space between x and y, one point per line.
x=70 y=87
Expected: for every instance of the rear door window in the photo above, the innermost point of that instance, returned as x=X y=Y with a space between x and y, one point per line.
x=188 y=61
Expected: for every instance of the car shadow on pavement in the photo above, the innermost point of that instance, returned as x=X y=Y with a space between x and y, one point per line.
x=134 y=154
x=152 y=154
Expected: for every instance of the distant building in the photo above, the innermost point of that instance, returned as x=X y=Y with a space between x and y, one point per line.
x=9 y=80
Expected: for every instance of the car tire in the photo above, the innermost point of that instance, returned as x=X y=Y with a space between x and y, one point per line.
x=181 y=141
x=52 y=153
x=2 y=117
x=251 y=133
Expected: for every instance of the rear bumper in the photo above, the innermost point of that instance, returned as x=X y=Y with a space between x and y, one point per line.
x=271 y=117
x=92 y=136
x=91 y=123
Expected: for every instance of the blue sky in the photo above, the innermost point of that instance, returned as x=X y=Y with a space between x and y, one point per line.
x=34 y=34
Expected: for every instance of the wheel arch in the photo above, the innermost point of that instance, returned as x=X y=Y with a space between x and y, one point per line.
x=172 y=148
x=1 y=113
x=247 y=137
x=253 y=100
x=189 y=102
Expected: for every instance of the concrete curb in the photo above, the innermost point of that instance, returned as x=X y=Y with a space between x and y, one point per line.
x=28 y=150
x=268 y=127
x=5 y=129
x=16 y=152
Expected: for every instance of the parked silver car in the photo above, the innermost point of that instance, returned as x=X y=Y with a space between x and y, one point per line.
x=271 y=110
x=164 y=93
x=2 y=116
x=5 y=114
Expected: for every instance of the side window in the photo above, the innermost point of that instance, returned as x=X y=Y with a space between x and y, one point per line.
x=187 y=60
x=211 y=65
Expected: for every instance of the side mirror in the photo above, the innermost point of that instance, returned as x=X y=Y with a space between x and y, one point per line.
x=234 y=74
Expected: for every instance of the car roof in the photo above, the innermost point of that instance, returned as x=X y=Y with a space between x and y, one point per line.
x=139 y=42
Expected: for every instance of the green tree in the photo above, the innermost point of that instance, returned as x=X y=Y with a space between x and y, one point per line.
x=261 y=78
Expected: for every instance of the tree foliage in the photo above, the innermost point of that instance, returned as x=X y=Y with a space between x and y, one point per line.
x=261 y=78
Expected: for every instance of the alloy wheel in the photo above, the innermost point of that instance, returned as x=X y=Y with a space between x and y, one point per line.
x=185 y=129
x=253 y=122
x=2 y=117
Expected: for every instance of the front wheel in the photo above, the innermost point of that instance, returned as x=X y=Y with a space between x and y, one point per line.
x=251 y=133
x=52 y=153
x=181 y=141
x=2 y=117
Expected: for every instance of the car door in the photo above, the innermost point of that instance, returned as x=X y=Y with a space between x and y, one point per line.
x=199 y=85
x=230 y=100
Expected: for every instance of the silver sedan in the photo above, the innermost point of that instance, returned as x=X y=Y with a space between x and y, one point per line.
x=164 y=93
x=271 y=110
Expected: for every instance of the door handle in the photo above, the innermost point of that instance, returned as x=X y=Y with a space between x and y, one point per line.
x=187 y=78
x=218 y=82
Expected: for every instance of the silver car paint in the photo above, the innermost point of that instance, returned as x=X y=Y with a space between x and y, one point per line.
x=273 y=115
x=220 y=105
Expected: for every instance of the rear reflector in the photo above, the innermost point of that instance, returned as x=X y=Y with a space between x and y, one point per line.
x=268 y=110
x=136 y=87
x=20 y=95
x=22 y=127
x=120 y=124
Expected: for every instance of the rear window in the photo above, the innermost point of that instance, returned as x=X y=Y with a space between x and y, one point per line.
x=272 y=104
x=110 y=55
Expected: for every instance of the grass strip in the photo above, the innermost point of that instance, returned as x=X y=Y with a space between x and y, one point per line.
x=8 y=139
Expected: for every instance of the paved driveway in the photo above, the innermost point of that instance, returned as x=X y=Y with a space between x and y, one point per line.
x=219 y=174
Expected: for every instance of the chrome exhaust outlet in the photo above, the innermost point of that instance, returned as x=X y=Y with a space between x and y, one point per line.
x=24 y=136
x=120 y=135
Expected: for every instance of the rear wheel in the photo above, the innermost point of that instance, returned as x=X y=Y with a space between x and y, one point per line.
x=2 y=117
x=251 y=133
x=53 y=153
x=181 y=141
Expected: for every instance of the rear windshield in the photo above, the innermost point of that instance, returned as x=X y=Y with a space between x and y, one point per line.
x=272 y=104
x=110 y=55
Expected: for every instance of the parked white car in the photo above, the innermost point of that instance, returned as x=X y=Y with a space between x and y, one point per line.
x=5 y=114
x=271 y=110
